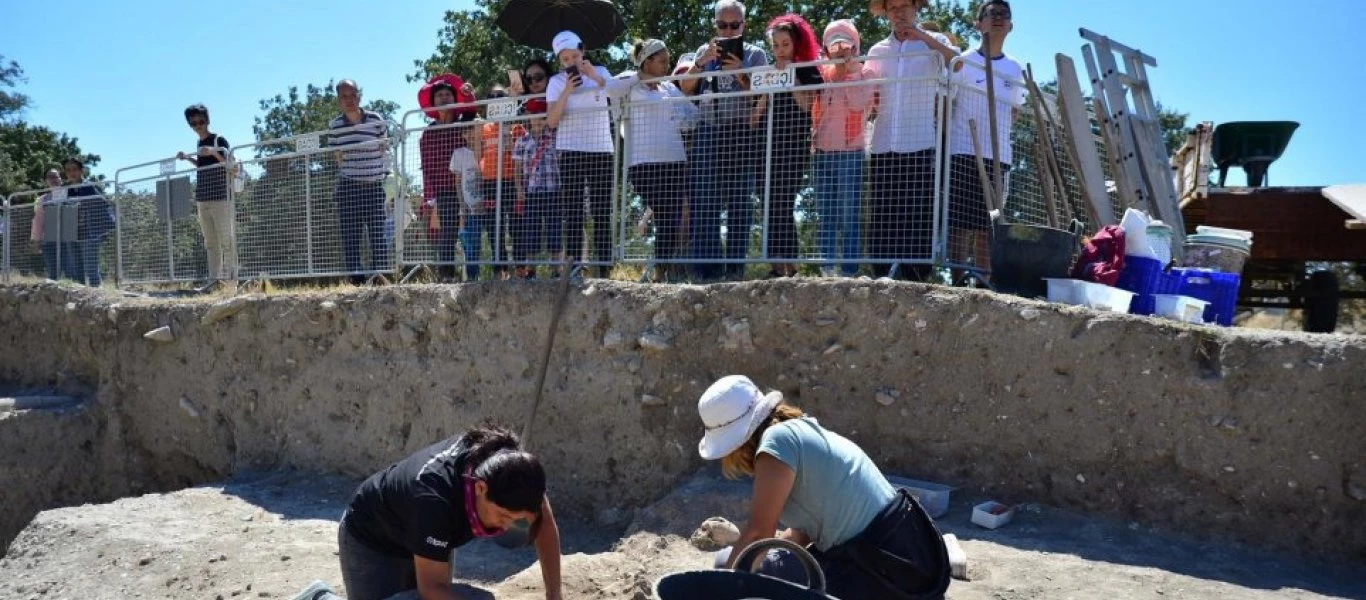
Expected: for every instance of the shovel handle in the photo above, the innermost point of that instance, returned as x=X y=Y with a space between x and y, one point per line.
x=815 y=577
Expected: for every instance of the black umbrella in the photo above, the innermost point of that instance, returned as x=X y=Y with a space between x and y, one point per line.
x=535 y=22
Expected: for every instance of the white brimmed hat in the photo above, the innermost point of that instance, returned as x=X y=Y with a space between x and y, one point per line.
x=731 y=409
x=565 y=40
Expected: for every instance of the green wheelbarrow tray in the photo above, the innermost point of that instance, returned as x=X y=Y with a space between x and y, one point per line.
x=721 y=584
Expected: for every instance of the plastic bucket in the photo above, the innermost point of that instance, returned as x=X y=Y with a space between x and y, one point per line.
x=1023 y=255
x=739 y=585
x=1220 y=249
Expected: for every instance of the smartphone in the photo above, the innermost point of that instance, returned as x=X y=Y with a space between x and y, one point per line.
x=571 y=71
x=515 y=79
x=734 y=46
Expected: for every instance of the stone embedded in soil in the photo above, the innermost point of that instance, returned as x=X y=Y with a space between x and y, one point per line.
x=651 y=400
x=226 y=308
x=714 y=534
x=162 y=335
x=656 y=342
x=735 y=335
x=613 y=340
x=885 y=398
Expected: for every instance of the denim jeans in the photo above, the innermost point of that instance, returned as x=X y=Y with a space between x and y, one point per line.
x=56 y=266
x=472 y=241
x=86 y=255
x=360 y=211
x=723 y=180
x=839 y=203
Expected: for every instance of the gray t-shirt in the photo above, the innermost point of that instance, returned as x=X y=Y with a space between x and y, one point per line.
x=723 y=110
x=838 y=490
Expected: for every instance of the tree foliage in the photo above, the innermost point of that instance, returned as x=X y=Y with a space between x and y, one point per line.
x=27 y=151
x=293 y=113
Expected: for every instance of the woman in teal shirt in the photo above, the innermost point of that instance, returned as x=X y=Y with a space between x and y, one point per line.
x=871 y=540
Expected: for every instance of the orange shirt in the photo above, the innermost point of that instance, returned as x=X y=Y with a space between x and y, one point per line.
x=488 y=159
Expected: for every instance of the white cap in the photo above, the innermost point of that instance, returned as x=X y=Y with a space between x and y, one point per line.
x=565 y=40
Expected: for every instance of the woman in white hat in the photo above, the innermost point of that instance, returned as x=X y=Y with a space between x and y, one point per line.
x=872 y=540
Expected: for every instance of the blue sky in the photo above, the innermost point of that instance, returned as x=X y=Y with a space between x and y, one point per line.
x=118 y=74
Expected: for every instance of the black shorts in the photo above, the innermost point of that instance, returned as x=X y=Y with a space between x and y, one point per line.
x=967 y=200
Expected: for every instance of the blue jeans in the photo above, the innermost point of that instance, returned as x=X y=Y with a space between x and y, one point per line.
x=723 y=176
x=61 y=264
x=85 y=257
x=839 y=202
x=472 y=240
x=360 y=210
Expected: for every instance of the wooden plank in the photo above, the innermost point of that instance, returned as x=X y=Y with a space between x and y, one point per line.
x=1084 y=156
x=1355 y=225
x=1350 y=198
x=1287 y=225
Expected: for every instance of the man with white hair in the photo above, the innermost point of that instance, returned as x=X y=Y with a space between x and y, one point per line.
x=726 y=151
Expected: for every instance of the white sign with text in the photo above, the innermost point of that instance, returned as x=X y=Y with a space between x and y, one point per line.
x=773 y=79
x=502 y=109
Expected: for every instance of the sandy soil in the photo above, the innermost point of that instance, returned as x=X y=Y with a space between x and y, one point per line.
x=266 y=535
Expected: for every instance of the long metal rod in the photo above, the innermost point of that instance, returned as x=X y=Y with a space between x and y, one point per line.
x=561 y=300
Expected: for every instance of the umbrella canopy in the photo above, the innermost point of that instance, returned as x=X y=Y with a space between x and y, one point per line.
x=534 y=23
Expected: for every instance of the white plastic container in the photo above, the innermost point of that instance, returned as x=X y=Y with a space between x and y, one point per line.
x=1102 y=297
x=992 y=514
x=1062 y=291
x=1180 y=308
x=934 y=497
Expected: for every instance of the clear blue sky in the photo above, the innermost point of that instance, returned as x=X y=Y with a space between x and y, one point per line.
x=118 y=74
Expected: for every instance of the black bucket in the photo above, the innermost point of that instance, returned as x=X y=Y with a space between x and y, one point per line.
x=739 y=585
x=1023 y=255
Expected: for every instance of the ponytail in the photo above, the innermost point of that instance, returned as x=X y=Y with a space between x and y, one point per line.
x=515 y=478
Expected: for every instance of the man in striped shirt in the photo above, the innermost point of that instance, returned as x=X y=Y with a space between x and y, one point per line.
x=364 y=164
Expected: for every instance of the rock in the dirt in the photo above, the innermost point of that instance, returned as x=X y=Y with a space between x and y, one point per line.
x=161 y=335
x=225 y=309
x=735 y=335
x=189 y=407
x=958 y=559
x=613 y=340
x=656 y=342
x=714 y=534
x=885 y=398
x=651 y=400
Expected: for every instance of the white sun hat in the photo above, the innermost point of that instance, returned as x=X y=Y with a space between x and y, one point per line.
x=731 y=409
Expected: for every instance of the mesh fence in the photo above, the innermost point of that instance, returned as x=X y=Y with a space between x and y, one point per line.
x=303 y=208
x=159 y=235
x=789 y=172
x=61 y=233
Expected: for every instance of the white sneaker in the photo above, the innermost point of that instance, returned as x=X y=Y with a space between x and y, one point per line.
x=318 y=590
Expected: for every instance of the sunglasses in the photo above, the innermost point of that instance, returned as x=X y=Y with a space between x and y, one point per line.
x=197 y=122
x=996 y=13
x=535 y=77
x=733 y=25
x=496 y=95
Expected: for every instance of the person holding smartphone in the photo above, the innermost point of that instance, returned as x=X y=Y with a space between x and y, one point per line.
x=726 y=151
x=583 y=142
x=216 y=218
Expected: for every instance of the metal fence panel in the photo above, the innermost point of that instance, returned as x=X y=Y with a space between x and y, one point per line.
x=160 y=239
x=61 y=233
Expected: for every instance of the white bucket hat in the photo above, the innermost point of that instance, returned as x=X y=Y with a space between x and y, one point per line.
x=731 y=409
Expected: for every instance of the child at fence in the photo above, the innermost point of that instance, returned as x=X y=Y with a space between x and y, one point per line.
x=211 y=195
x=838 y=119
x=538 y=187
x=969 y=222
x=476 y=217
x=792 y=41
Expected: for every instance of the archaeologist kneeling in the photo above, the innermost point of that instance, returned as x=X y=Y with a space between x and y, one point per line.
x=870 y=539
x=404 y=521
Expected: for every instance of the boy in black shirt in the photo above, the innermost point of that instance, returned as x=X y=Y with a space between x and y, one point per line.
x=211 y=195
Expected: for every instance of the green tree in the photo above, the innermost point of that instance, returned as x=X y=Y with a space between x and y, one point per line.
x=292 y=113
x=27 y=151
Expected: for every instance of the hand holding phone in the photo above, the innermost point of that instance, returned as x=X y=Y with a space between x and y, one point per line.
x=515 y=82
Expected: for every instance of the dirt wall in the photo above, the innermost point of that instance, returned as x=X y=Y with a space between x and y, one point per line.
x=1255 y=436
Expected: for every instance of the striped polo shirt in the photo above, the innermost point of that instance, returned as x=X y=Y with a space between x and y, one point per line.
x=366 y=157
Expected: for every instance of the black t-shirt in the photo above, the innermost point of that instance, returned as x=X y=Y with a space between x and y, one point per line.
x=791 y=123
x=213 y=183
x=416 y=506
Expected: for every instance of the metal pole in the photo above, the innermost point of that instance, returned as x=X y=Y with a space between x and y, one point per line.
x=170 y=233
x=768 y=184
x=118 y=238
x=497 y=241
x=308 y=212
x=8 y=233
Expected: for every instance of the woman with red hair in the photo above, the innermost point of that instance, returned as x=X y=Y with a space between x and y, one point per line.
x=792 y=41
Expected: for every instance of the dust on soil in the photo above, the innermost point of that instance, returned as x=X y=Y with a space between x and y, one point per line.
x=266 y=535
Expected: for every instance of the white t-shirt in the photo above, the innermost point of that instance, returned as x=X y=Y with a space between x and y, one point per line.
x=656 y=124
x=585 y=126
x=970 y=102
x=464 y=164
x=905 y=113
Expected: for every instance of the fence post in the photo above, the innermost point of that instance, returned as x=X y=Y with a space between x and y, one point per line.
x=118 y=235
x=308 y=211
x=768 y=189
x=939 y=234
x=8 y=231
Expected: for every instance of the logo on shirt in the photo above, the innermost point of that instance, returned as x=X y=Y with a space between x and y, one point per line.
x=435 y=542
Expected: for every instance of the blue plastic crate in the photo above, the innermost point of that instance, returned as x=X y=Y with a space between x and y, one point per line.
x=1140 y=275
x=1218 y=288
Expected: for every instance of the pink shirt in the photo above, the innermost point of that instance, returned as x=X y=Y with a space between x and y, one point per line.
x=841 y=112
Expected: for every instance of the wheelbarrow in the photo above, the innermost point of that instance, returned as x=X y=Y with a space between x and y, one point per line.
x=721 y=584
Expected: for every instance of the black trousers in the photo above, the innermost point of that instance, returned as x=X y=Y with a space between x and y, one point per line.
x=591 y=170
x=901 y=211
x=663 y=188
